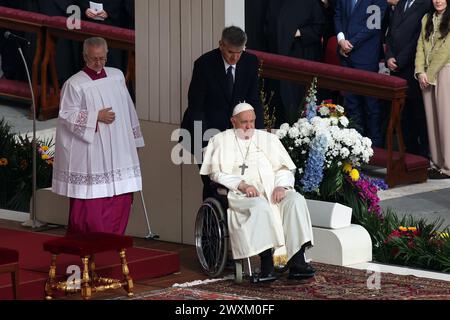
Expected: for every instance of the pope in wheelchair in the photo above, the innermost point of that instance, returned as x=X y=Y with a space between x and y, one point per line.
x=264 y=211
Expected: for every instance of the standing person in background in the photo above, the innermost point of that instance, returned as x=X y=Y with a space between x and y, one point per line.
x=295 y=29
x=328 y=12
x=401 y=42
x=221 y=79
x=68 y=52
x=359 y=48
x=11 y=63
x=433 y=73
x=98 y=133
x=118 y=13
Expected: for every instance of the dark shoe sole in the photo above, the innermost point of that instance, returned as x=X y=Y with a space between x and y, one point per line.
x=258 y=279
x=301 y=276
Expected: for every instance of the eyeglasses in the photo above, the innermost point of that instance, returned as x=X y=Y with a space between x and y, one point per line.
x=97 y=59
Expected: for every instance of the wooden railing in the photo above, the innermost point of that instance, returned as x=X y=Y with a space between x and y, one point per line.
x=393 y=89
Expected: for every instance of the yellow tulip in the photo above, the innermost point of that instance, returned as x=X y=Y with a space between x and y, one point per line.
x=443 y=234
x=354 y=174
x=347 y=168
x=45 y=148
x=45 y=156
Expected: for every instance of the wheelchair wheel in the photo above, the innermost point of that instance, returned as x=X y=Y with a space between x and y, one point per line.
x=211 y=237
x=239 y=271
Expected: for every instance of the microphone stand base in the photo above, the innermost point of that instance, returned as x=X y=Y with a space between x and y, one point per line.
x=34 y=224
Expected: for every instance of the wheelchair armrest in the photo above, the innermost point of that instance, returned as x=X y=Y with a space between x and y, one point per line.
x=220 y=189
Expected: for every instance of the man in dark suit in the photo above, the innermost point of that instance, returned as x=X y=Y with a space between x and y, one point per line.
x=295 y=29
x=404 y=31
x=221 y=79
x=68 y=57
x=358 y=28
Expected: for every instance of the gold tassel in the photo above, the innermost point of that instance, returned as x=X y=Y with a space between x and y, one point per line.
x=280 y=260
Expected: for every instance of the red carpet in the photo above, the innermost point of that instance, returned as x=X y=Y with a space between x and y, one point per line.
x=34 y=263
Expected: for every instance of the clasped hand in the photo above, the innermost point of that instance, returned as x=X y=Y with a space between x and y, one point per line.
x=96 y=14
x=250 y=191
x=106 y=116
x=345 y=47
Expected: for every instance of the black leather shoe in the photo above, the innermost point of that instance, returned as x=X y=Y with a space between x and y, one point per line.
x=436 y=174
x=300 y=272
x=261 y=278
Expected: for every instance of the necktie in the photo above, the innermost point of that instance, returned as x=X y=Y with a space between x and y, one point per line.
x=230 y=80
x=407 y=5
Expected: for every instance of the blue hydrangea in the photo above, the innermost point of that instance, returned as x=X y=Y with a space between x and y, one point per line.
x=314 y=167
x=311 y=110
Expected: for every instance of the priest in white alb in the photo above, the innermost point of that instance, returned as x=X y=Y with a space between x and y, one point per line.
x=98 y=133
x=265 y=212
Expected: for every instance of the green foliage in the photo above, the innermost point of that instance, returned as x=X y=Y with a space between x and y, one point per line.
x=266 y=100
x=428 y=246
x=16 y=175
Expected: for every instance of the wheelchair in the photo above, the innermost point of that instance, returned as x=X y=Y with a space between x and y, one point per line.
x=212 y=238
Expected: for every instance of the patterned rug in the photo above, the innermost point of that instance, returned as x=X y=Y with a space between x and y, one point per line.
x=188 y=294
x=339 y=283
x=329 y=283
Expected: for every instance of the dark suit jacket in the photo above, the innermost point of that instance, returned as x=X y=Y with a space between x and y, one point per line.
x=208 y=97
x=54 y=7
x=366 y=41
x=404 y=31
x=118 y=12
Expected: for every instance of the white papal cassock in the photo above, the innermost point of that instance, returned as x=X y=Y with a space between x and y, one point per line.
x=96 y=160
x=257 y=224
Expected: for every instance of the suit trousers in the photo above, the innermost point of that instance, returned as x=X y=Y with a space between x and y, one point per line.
x=365 y=112
x=414 y=123
x=437 y=109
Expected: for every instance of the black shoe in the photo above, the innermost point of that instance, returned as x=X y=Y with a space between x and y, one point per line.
x=261 y=278
x=301 y=272
x=434 y=173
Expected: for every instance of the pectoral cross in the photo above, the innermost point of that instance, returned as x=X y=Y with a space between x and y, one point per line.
x=243 y=167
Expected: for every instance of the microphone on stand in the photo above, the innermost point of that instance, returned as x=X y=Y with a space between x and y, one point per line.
x=32 y=222
x=9 y=35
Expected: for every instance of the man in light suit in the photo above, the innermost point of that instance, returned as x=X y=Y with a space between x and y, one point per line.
x=358 y=28
x=404 y=31
x=221 y=79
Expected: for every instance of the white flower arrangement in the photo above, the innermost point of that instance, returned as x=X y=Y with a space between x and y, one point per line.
x=323 y=134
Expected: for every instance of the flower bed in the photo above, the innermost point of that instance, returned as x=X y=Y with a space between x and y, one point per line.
x=16 y=168
x=328 y=154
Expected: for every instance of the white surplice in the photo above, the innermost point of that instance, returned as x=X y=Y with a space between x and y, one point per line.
x=94 y=159
x=256 y=224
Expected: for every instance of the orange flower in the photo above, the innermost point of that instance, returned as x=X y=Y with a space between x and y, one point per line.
x=3 y=162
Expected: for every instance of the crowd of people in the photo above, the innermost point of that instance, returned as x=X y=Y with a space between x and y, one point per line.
x=409 y=36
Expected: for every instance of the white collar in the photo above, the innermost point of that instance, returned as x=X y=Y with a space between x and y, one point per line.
x=227 y=65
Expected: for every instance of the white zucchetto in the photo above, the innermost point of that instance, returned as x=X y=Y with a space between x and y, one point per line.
x=241 y=107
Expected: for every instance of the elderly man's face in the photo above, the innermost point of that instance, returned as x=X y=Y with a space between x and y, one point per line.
x=230 y=53
x=244 y=123
x=95 y=57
